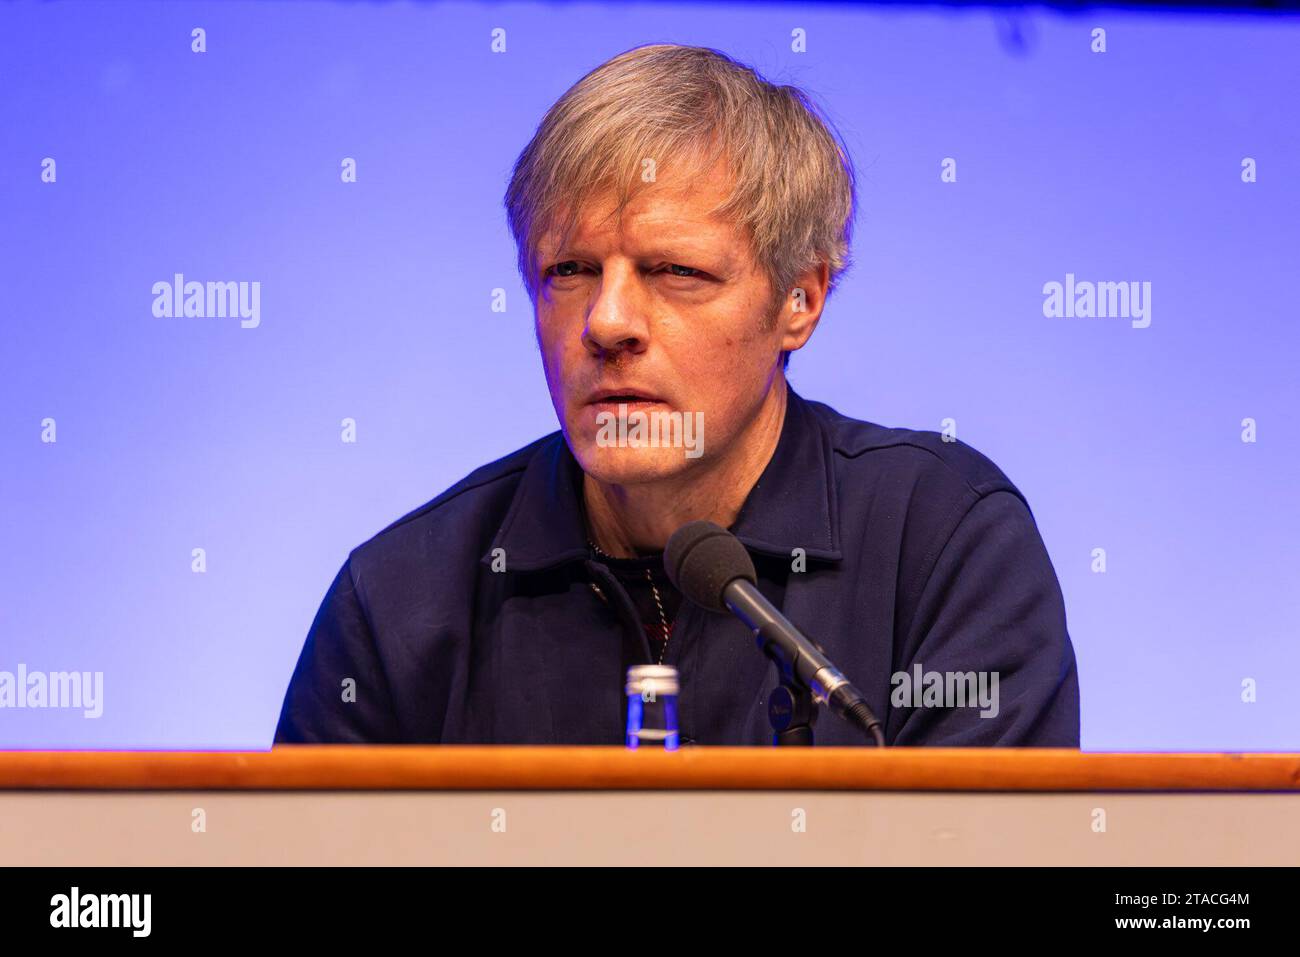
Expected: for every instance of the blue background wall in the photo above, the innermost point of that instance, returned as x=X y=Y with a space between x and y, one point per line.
x=183 y=433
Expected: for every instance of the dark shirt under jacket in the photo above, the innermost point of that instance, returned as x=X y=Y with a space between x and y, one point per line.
x=631 y=573
x=918 y=552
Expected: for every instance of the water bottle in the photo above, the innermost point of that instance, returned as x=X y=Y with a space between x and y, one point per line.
x=652 y=707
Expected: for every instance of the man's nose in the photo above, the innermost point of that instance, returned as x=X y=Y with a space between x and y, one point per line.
x=616 y=320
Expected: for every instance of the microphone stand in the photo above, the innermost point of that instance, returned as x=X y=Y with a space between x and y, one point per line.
x=791 y=712
x=710 y=566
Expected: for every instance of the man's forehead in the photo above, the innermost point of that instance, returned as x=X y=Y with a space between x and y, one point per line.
x=678 y=206
x=678 y=218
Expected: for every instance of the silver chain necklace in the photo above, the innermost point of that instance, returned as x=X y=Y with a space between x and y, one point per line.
x=654 y=590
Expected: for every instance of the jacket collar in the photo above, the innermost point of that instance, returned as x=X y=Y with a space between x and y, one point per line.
x=793 y=505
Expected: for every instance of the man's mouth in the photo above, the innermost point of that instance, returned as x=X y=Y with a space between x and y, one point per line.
x=609 y=400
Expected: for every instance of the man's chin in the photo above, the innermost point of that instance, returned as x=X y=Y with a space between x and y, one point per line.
x=631 y=466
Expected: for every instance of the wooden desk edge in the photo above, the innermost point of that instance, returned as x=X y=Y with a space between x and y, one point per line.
x=506 y=768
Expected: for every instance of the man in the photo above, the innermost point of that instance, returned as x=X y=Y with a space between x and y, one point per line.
x=680 y=224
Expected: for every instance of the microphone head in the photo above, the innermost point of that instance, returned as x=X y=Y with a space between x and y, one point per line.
x=702 y=559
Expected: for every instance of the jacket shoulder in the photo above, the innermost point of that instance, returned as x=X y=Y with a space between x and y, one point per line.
x=925 y=452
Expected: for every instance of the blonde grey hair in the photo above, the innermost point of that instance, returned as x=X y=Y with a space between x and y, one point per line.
x=793 y=185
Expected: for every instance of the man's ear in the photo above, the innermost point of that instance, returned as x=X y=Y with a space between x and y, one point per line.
x=803 y=306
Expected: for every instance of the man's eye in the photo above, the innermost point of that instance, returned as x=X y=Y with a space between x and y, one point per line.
x=564 y=269
x=569 y=268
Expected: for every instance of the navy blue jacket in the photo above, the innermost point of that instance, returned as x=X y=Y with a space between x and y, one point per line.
x=918 y=553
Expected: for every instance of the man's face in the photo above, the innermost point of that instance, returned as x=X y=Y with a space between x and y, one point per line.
x=663 y=312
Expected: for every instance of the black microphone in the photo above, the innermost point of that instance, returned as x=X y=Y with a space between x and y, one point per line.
x=710 y=566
